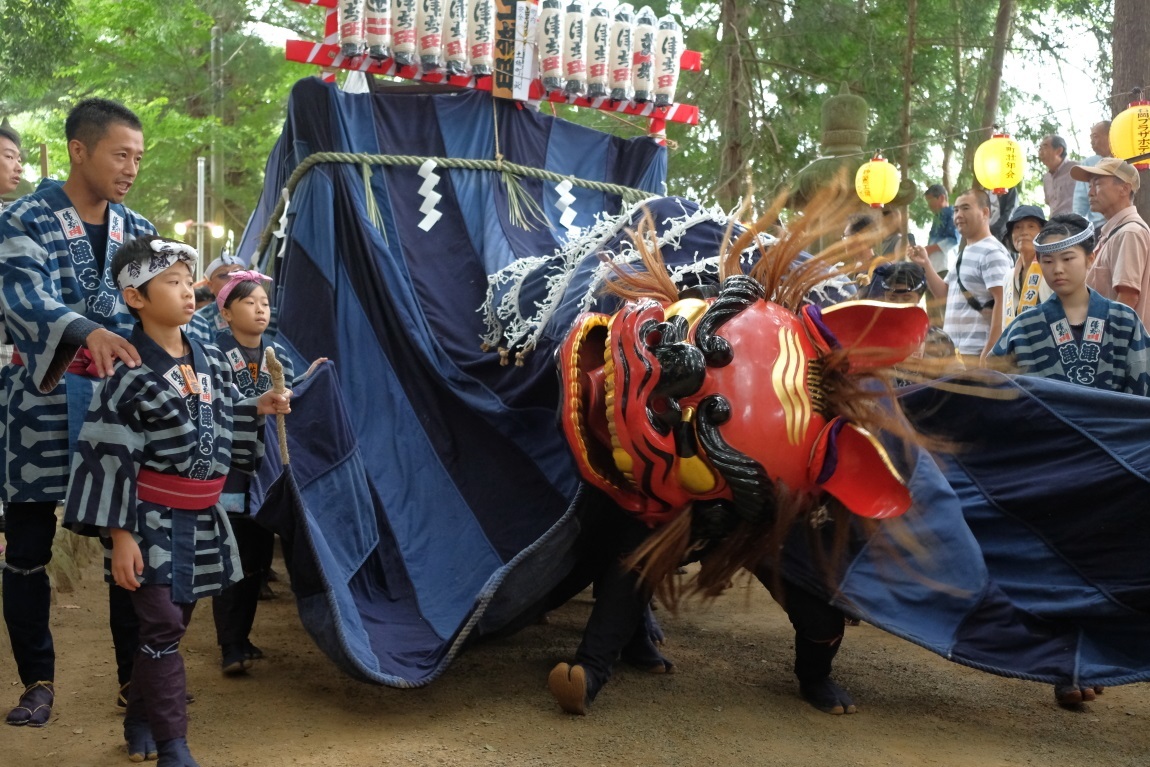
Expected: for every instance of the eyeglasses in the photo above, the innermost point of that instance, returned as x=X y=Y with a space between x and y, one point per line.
x=898 y=284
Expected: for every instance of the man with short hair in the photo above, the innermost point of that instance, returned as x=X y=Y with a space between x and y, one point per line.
x=64 y=314
x=1057 y=184
x=11 y=168
x=973 y=289
x=943 y=237
x=1121 y=270
x=1100 y=143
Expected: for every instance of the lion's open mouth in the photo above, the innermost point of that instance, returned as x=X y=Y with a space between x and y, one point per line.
x=588 y=376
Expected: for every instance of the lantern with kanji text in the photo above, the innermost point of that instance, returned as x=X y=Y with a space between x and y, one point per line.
x=1130 y=132
x=999 y=163
x=877 y=181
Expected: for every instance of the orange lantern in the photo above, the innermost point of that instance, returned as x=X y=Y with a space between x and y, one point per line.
x=1130 y=132
x=999 y=163
x=877 y=182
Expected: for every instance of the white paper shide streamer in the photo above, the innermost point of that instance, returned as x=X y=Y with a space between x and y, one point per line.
x=377 y=27
x=598 y=48
x=643 y=70
x=622 y=47
x=352 y=33
x=403 y=32
x=429 y=34
x=575 y=49
x=550 y=26
x=668 y=50
x=481 y=37
x=455 y=37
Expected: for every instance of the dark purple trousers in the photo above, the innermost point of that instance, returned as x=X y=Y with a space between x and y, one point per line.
x=159 y=684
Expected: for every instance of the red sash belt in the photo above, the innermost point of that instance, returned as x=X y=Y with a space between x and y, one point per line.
x=178 y=492
x=82 y=364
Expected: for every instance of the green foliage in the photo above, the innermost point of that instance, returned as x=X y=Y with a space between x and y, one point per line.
x=792 y=55
x=796 y=54
x=155 y=58
x=34 y=34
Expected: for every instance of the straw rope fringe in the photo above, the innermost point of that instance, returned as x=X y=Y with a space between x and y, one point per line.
x=509 y=170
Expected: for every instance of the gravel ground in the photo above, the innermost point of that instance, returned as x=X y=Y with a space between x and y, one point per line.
x=733 y=701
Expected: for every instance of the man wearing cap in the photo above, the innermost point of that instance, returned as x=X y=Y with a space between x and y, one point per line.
x=1100 y=143
x=1121 y=270
x=1024 y=286
x=943 y=236
x=207 y=321
x=1057 y=184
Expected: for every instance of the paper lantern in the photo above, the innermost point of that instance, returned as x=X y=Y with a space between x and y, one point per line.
x=999 y=163
x=877 y=182
x=1130 y=132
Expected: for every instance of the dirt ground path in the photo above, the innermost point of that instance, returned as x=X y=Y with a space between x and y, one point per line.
x=732 y=702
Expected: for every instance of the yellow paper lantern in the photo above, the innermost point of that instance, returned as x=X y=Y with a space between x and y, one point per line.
x=1130 y=133
x=999 y=163
x=877 y=182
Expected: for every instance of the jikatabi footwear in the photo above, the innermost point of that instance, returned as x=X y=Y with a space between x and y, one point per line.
x=141 y=744
x=175 y=753
x=827 y=696
x=569 y=686
x=35 y=706
x=234 y=659
x=1071 y=697
x=251 y=652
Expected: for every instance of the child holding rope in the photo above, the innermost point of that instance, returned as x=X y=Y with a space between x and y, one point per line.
x=150 y=463
x=244 y=305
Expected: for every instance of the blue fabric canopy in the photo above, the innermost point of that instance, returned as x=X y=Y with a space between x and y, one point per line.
x=431 y=498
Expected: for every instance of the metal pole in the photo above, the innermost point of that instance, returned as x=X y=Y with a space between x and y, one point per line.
x=217 y=169
x=200 y=163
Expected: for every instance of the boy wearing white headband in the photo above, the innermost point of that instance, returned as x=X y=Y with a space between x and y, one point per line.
x=150 y=463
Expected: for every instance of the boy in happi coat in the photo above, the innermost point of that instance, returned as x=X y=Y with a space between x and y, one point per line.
x=1076 y=335
x=150 y=463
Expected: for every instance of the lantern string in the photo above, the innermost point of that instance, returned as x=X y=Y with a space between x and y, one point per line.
x=888 y=149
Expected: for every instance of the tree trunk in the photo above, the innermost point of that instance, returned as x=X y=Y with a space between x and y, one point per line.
x=1132 y=70
x=1003 y=28
x=958 y=75
x=907 y=85
x=733 y=125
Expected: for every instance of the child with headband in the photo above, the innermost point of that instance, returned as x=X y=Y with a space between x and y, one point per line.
x=150 y=463
x=1076 y=335
x=244 y=305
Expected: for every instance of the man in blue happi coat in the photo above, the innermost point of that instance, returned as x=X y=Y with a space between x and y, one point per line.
x=69 y=326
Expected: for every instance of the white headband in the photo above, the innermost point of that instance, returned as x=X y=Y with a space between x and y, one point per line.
x=1060 y=245
x=167 y=254
x=227 y=259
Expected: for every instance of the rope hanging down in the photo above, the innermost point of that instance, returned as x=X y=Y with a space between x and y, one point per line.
x=500 y=165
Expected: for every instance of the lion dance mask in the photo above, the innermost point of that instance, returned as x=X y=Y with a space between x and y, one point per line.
x=717 y=404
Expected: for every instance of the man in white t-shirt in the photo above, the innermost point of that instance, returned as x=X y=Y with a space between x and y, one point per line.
x=973 y=289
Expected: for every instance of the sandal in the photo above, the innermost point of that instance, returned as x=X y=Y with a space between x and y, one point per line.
x=35 y=706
